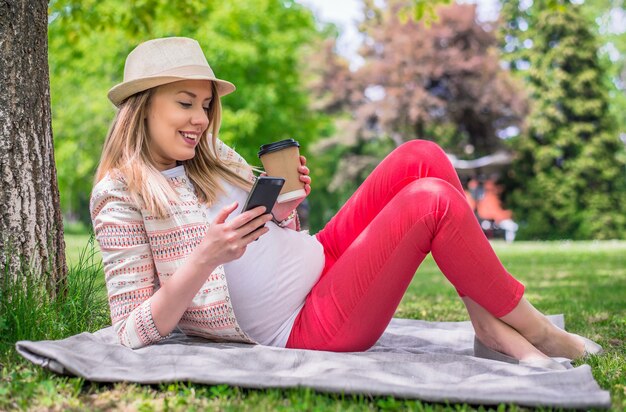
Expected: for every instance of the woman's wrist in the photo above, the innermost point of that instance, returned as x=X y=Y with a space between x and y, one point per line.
x=287 y=221
x=202 y=261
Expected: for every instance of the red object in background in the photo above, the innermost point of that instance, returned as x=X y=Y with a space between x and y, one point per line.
x=490 y=206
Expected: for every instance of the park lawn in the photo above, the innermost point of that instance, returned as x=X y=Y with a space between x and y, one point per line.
x=584 y=280
x=75 y=246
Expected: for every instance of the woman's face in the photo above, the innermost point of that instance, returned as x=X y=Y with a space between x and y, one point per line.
x=177 y=117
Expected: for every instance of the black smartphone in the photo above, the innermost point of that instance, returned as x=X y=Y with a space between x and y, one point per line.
x=264 y=193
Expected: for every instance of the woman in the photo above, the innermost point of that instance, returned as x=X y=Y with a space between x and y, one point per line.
x=178 y=252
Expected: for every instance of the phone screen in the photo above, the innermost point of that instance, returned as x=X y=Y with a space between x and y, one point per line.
x=264 y=193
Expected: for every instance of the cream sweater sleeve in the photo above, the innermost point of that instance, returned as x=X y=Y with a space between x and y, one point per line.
x=235 y=160
x=128 y=265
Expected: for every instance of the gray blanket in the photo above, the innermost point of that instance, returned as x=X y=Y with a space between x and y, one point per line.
x=431 y=361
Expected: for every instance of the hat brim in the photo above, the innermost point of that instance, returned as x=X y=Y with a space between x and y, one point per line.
x=122 y=91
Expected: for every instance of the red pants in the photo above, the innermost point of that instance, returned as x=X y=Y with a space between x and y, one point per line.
x=410 y=205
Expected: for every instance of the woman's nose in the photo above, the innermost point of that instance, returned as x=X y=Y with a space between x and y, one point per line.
x=200 y=118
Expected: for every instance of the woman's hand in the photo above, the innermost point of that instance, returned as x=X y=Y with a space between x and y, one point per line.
x=227 y=241
x=282 y=210
x=222 y=243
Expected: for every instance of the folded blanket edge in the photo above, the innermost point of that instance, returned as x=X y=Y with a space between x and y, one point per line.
x=604 y=402
x=22 y=347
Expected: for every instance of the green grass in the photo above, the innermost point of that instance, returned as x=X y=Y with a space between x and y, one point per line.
x=75 y=246
x=584 y=280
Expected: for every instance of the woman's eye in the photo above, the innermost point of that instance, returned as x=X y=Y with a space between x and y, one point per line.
x=185 y=105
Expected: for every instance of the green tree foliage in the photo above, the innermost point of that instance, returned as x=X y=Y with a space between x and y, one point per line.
x=423 y=10
x=440 y=81
x=605 y=19
x=258 y=45
x=608 y=18
x=569 y=179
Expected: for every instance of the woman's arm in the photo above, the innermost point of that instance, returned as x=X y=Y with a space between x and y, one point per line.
x=222 y=243
x=141 y=316
x=129 y=269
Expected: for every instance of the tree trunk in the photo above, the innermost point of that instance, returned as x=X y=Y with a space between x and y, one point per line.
x=31 y=228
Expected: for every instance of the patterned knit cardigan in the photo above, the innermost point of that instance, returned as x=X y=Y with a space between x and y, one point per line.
x=140 y=252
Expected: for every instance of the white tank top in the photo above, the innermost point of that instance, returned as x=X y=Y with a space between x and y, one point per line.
x=269 y=283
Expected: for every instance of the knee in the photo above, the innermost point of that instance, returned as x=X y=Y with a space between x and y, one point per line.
x=421 y=154
x=425 y=148
x=427 y=202
x=432 y=194
x=432 y=187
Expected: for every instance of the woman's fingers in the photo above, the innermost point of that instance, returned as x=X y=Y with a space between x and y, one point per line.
x=246 y=217
x=226 y=241
x=254 y=235
x=253 y=230
x=306 y=179
x=254 y=225
x=224 y=212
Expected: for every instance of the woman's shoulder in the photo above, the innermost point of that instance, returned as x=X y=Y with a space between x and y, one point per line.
x=230 y=156
x=113 y=181
x=112 y=186
x=111 y=197
x=225 y=152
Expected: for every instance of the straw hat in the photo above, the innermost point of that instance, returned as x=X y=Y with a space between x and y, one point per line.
x=161 y=61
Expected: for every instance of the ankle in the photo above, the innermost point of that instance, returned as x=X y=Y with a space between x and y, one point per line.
x=529 y=322
x=539 y=333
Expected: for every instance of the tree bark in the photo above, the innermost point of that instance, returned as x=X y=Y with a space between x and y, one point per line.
x=31 y=227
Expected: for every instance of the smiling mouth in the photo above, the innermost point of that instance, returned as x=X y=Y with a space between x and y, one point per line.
x=190 y=136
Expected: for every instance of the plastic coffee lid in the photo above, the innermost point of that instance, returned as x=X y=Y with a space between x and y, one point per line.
x=276 y=146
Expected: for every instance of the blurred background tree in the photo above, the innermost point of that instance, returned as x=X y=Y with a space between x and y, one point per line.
x=431 y=70
x=605 y=18
x=569 y=177
x=257 y=45
x=420 y=80
x=439 y=80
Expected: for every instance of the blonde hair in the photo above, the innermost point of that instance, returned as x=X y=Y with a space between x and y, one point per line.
x=126 y=152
